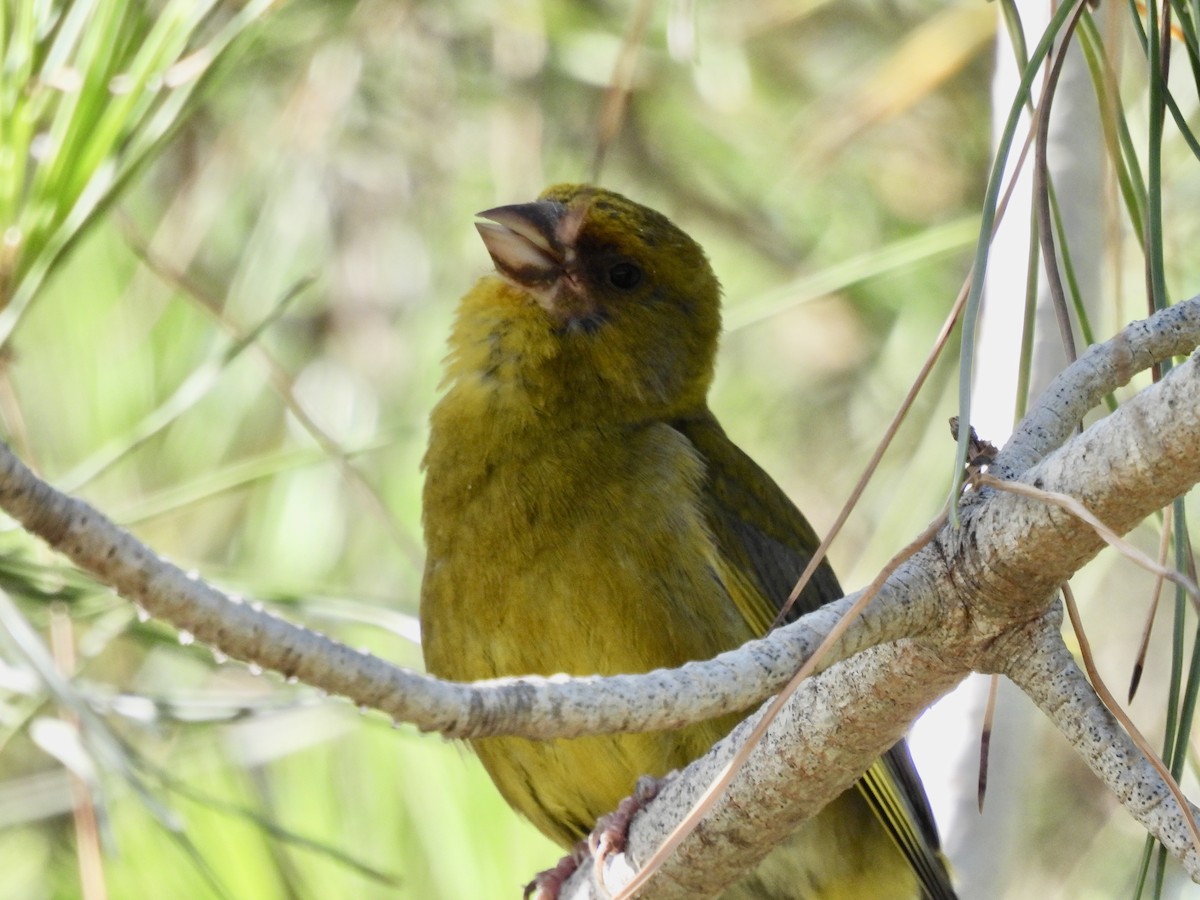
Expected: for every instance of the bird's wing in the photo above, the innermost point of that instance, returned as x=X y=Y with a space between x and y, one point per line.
x=893 y=789
x=762 y=532
x=757 y=527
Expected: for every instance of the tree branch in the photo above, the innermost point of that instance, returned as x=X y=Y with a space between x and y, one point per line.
x=533 y=707
x=837 y=723
x=1046 y=671
x=1122 y=468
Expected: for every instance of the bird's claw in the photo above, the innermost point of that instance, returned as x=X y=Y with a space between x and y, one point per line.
x=548 y=884
x=612 y=831
x=609 y=836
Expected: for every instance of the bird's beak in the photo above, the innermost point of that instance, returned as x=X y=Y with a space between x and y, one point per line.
x=524 y=242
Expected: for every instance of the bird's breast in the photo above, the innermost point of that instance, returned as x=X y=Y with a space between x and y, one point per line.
x=583 y=552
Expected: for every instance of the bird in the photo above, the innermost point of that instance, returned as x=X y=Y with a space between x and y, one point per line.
x=585 y=513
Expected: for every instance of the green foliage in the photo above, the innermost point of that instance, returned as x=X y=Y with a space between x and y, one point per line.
x=90 y=92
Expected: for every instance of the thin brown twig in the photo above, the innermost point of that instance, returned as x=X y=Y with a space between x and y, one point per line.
x=1041 y=192
x=985 y=740
x=620 y=86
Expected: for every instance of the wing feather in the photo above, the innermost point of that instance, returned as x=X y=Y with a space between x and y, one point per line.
x=761 y=532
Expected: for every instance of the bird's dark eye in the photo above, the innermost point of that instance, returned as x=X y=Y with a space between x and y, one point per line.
x=625 y=276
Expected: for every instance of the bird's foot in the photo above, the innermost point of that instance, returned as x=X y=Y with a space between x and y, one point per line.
x=609 y=836
x=548 y=884
x=612 y=831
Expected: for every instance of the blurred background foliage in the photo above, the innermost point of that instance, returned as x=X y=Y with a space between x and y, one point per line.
x=257 y=234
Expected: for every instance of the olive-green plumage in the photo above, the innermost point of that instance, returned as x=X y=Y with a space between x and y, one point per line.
x=585 y=513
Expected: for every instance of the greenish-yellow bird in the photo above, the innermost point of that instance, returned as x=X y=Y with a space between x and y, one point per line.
x=585 y=513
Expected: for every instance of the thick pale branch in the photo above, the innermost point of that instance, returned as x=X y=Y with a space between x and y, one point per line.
x=1046 y=671
x=838 y=722
x=994 y=577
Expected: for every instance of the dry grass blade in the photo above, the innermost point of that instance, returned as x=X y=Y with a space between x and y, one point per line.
x=88 y=853
x=985 y=740
x=1139 y=662
x=928 y=56
x=616 y=97
x=889 y=434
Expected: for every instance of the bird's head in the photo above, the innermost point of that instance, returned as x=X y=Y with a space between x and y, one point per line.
x=605 y=297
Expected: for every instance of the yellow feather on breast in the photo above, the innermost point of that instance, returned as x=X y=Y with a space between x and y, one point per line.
x=543 y=572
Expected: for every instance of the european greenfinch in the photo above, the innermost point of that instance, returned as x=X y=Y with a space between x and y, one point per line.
x=585 y=513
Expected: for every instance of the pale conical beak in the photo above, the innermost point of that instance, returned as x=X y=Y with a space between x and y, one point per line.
x=523 y=242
